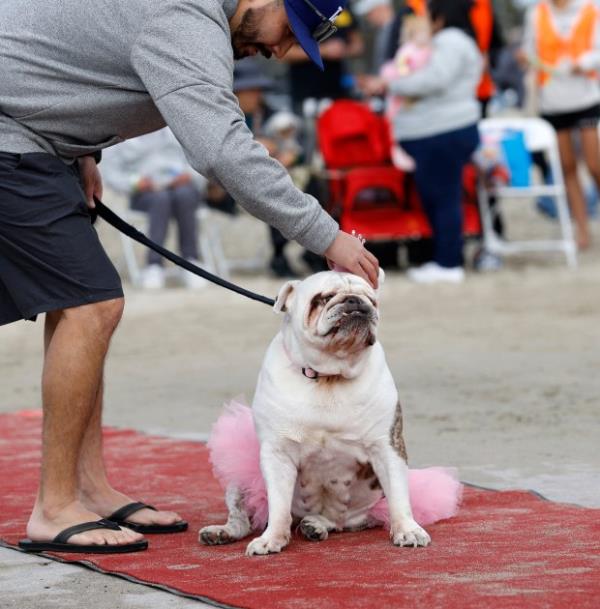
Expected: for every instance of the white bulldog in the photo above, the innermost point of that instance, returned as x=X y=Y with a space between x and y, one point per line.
x=329 y=423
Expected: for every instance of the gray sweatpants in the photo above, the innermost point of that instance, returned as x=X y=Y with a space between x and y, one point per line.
x=179 y=203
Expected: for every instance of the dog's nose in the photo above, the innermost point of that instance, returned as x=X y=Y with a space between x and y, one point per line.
x=352 y=300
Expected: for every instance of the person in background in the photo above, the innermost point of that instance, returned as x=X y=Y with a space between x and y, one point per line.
x=561 y=43
x=152 y=171
x=490 y=42
x=439 y=130
x=306 y=81
x=413 y=54
x=277 y=131
x=379 y=16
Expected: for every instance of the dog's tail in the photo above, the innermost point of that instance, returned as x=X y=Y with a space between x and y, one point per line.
x=435 y=494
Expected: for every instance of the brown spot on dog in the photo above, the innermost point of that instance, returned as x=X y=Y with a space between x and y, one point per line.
x=365 y=472
x=396 y=437
x=330 y=380
x=375 y=484
x=314 y=310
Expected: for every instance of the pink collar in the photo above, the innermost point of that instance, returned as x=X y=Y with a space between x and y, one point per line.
x=309 y=373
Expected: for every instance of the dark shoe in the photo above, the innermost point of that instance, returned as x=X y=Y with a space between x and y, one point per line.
x=315 y=263
x=281 y=268
x=120 y=517
x=60 y=542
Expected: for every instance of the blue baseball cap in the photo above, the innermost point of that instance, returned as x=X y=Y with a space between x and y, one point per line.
x=312 y=22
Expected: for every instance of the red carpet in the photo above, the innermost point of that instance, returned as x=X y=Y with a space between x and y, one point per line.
x=505 y=550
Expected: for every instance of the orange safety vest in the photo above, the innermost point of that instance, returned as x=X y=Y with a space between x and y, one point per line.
x=482 y=19
x=418 y=7
x=552 y=47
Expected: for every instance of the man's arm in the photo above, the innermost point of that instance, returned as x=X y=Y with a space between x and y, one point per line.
x=185 y=61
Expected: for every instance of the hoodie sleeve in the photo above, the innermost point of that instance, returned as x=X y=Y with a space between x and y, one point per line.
x=185 y=60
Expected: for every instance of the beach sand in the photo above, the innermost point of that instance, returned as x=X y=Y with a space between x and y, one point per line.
x=499 y=377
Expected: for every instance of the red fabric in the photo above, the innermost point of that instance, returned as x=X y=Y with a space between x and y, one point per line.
x=366 y=192
x=351 y=135
x=505 y=549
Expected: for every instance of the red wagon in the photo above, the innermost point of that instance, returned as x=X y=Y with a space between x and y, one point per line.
x=366 y=192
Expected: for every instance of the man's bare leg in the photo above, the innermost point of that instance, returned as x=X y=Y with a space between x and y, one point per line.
x=76 y=341
x=96 y=493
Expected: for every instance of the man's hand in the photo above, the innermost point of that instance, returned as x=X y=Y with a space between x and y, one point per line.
x=183 y=179
x=372 y=85
x=90 y=179
x=347 y=251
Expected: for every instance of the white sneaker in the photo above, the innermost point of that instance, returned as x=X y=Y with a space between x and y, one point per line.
x=434 y=273
x=191 y=281
x=153 y=277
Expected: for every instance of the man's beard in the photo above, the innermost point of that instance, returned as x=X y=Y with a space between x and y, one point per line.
x=246 y=34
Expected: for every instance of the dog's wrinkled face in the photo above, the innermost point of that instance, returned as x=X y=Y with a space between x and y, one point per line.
x=334 y=312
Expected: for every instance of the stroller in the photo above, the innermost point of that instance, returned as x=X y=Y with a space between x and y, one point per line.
x=366 y=192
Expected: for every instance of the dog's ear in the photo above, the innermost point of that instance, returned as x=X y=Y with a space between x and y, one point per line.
x=285 y=296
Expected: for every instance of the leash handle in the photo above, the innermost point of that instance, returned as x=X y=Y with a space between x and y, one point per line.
x=117 y=222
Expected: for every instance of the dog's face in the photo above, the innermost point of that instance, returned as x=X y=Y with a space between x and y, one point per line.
x=330 y=312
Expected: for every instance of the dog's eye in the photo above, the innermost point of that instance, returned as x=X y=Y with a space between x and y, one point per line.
x=326 y=299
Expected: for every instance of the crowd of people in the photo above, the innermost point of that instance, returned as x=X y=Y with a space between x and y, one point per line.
x=435 y=68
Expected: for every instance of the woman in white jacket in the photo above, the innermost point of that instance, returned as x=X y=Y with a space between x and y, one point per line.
x=562 y=44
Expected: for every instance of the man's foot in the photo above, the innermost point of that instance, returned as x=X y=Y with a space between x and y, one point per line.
x=281 y=268
x=315 y=263
x=153 y=277
x=108 y=501
x=192 y=281
x=434 y=273
x=45 y=525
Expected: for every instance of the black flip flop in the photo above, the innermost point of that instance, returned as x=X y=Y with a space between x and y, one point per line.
x=60 y=542
x=121 y=515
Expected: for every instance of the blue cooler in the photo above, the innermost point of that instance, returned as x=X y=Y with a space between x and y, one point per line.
x=517 y=158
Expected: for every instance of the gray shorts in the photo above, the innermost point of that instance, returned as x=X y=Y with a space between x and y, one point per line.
x=50 y=254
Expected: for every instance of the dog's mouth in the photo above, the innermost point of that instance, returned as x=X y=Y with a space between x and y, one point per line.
x=350 y=318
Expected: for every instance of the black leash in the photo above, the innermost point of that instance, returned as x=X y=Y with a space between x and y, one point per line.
x=114 y=220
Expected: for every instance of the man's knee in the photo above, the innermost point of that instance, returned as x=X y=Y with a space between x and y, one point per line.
x=99 y=318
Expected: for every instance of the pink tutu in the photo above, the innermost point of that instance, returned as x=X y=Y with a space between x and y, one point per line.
x=435 y=492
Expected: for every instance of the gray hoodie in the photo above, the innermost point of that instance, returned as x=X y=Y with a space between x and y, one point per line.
x=445 y=89
x=79 y=76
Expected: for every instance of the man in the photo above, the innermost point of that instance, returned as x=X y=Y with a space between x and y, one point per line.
x=79 y=77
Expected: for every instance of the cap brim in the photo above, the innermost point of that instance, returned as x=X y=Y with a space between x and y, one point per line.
x=304 y=36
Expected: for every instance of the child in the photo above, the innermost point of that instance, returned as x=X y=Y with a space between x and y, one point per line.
x=413 y=54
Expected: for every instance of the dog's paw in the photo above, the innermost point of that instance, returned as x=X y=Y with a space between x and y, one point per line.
x=266 y=545
x=412 y=535
x=313 y=529
x=215 y=535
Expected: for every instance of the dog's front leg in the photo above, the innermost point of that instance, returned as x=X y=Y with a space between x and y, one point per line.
x=279 y=467
x=392 y=471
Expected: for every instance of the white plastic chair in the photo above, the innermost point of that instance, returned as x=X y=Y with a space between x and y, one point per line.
x=539 y=137
x=211 y=249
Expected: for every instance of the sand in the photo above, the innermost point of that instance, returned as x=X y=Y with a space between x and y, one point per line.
x=499 y=377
